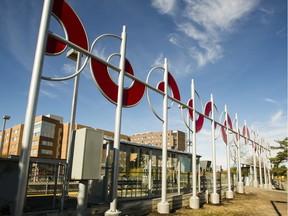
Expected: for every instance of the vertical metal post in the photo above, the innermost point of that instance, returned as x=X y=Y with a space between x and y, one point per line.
x=118 y=117
x=73 y=116
x=70 y=151
x=163 y=206
x=150 y=173
x=188 y=134
x=106 y=178
x=269 y=175
x=194 y=200
x=32 y=106
x=56 y=171
x=179 y=174
x=229 y=193
x=82 y=198
x=265 y=174
x=240 y=184
x=255 y=180
x=214 y=197
x=198 y=175
x=260 y=166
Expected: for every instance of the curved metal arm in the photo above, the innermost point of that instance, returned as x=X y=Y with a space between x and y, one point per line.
x=147 y=92
x=184 y=120
x=86 y=59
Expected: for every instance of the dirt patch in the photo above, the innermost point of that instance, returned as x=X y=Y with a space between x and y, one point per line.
x=256 y=202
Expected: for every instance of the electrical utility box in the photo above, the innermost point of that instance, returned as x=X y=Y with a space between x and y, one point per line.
x=87 y=154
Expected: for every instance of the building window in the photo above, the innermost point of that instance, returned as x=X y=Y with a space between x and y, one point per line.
x=47 y=152
x=14 y=139
x=45 y=129
x=47 y=143
x=34 y=142
x=34 y=151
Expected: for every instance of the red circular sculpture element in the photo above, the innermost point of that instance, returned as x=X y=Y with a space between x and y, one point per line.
x=172 y=85
x=131 y=95
x=223 y=129
x=72 y=26
x=246 y=133
x=200 y=120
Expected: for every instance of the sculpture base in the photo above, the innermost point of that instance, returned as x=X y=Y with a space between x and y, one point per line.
x=255 y=183
x=163 y=208
x=240 y=187
x=229 y=194
x=194 y=203
x=214 y=198
x=112 y=213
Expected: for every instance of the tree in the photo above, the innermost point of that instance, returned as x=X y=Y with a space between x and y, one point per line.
x=280 y=158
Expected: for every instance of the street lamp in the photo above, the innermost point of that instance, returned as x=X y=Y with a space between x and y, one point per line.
x=5 y=118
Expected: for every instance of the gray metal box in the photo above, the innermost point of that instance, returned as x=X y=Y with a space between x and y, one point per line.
x=87 y=154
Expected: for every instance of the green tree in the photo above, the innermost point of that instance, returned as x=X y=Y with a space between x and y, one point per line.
x=280 y=158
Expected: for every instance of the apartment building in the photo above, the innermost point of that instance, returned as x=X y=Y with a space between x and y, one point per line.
x=47 y=137
x=175 y=139
x=51 y=137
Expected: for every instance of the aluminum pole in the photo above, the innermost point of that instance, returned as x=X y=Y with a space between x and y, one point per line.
x=194 y=200
x=240 y=184
x=229 y=193
x=255 y=180
x=31 y=107
x=73 y=116
x=179 y=175
x=265 y=174
x=70 y=151
x=118 y=117
x=163 y=206
x=150 y=173
x=188 y=134
x=260 y=167
x=269 y=175
x=214 y=197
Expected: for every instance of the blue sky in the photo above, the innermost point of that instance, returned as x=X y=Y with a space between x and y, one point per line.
x=235 y=50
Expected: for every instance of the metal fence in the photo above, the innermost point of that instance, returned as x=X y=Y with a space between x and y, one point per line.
x=46 y=185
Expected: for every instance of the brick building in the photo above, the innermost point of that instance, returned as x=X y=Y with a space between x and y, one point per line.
x=175 y=139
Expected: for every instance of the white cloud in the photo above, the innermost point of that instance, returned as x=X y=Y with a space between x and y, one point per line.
x=219 y=14
x=206 y=23
x=282 y=32
x=69 y=68
x=269 y=100
x=159 y=61
x=48 y=94
x=276 y=117
x=164 y=6
x=275 y=128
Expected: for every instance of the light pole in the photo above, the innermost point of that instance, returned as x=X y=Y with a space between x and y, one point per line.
x=5 y=118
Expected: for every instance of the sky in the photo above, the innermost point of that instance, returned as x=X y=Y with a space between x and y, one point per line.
x=233 y=49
